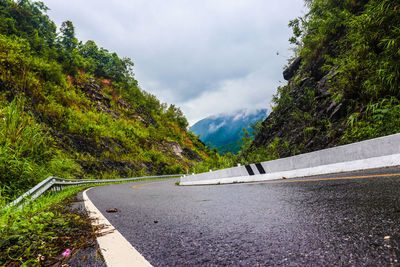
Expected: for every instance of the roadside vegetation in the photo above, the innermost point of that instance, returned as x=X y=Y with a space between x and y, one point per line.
x=48 y=231
x=74 y=110
x=343 y=81
x=39 y=233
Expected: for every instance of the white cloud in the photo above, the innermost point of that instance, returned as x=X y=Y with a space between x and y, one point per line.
x=252 y=92
x=207 y=56
x=213 y=127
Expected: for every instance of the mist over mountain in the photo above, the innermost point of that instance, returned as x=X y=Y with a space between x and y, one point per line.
x=222 y=131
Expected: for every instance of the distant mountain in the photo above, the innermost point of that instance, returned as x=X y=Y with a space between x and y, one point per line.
x=222 y=131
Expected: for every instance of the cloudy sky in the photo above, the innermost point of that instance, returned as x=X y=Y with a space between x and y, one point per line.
x=207 y=57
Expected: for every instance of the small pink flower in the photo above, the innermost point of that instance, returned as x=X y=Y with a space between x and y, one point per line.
x=66 y=253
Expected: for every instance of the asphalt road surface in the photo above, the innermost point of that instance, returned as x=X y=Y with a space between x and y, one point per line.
x=317 y=221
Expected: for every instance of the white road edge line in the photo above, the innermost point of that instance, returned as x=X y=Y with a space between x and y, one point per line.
x=116 y=250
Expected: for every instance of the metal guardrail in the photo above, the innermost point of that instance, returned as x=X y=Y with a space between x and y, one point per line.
x=56 y=184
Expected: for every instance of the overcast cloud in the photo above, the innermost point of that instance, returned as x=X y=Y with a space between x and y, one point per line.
x=207 y=57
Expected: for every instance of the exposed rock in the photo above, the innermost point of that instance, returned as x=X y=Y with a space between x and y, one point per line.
x=123 y=168
x=322 y=86
x=304 y=81
x=170 y=147
x=336 y=111
x=177 y=149
x=93 y=91
x=82 y=144
x=331 y=106
x=191 y=155
x=124 y=105
x=138 y=118
x=148 y=119
x=292 y=69
x=304 y=120
x=101 y=101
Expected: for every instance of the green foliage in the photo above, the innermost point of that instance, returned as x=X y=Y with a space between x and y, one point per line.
x=20 y=133
x=45 y=227
x=346 y=88
x=271 y=152
x=27 y=154
x=233 y=147
x=215 y=162
x=246 y=139
x=282 y=97
x=28 y=20
x=308 y=132
x=371 y=69
x=23 y=148
x=379 y=119
x=104 y=64
x=175 y=114
x=367 y=38
x=366 y=58
x=78 y=111
x=15 y=61
x=67 y=38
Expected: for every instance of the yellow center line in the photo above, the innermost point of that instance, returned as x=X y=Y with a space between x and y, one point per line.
x=139 y=186
x=329 y=178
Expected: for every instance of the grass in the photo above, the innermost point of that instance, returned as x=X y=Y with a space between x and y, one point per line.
x=38 y=233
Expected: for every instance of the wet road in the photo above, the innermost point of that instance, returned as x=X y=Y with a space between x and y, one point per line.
x=318 y=221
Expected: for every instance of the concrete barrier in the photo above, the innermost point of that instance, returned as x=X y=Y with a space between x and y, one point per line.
x=370 y=154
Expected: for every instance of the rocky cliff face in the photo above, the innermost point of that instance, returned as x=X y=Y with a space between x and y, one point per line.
x=110 y=154
x=306 y=116
x=343 y=86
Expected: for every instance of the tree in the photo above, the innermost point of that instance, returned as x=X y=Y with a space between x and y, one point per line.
x=67 y=38
x=245 y=139
x=105 y=64
x=28 y=20
x=176 y=114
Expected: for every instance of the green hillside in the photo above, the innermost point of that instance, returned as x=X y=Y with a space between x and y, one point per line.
x=74 y=109
x=343 y=83
x=224 y=131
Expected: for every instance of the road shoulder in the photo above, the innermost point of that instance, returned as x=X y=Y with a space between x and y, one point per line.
x=116 y=250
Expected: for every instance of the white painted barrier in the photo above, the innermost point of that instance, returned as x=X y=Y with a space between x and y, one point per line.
x=370 y=154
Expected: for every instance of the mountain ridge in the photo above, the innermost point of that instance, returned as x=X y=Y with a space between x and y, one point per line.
x=222 y=130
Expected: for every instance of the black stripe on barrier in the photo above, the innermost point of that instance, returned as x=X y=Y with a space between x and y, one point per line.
x=249 y=170
x=260 y=168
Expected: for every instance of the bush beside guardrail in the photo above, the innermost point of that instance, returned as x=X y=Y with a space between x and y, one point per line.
x=56 y=184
